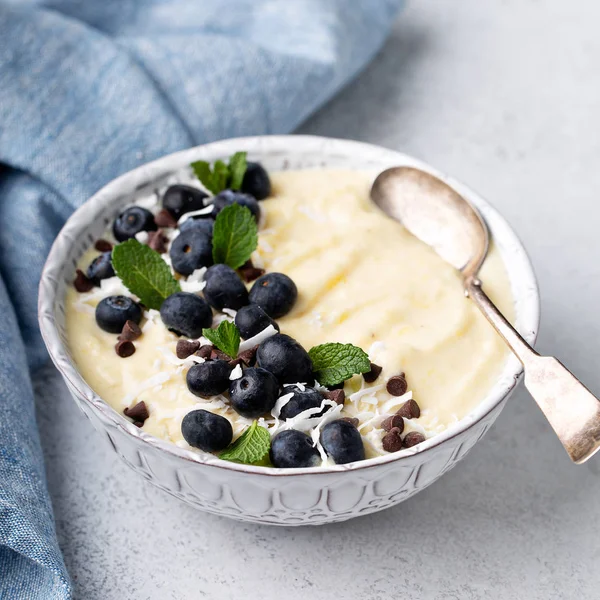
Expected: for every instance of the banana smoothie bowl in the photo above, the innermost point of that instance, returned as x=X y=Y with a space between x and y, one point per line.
x=257 y=338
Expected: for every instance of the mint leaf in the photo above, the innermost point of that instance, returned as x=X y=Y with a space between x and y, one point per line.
x=225 y=337
x=251 y=448
x=237 y=170
x=221 y=176
x=235 y=236
x=144 y=273
x=334 y=363
x=203 y=172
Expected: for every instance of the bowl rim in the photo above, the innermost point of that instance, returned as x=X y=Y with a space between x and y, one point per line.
x=499 y=228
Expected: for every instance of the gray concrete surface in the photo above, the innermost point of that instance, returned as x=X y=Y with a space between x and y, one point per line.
x=504 y=95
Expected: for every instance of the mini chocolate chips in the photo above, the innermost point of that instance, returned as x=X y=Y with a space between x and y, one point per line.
x=138 y=413
x=82 y=284
x=124 y=348
x=131 y=331
x=393 y=422
x=204 y=351
x=409 y=410
x=373 y=374
x=412 y=439
x=158 y=241
x=248 y=357
x=217 y=354
x=352 y=420
x=103 y=246
x=392 y=442
x=186 y=348
x=165 y=219
x=338 y=396
x=248 y=272
x=397 y=386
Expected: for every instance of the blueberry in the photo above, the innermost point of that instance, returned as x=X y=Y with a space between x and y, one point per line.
x=209 y=378
x=207 y=431
x=291 y=449
x=224 y=288
x=191 y=250
x=186 y=314
x=131 y=221
x=301 y=400
x=229 y=197
x=114 y=311
x=342 y=441
x=255 y=393
x=100 y=268
x=252 y=319
x=202 y=224
x=256 y=181
x=275 y=293
x=286 y=359
x=181 y=199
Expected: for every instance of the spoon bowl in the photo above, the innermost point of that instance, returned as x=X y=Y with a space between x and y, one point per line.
x=439 y=216
x=436 y=214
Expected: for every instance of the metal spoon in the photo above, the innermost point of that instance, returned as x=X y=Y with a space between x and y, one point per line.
x=436 y=214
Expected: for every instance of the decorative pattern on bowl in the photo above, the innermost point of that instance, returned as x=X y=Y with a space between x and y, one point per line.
x=276 y=496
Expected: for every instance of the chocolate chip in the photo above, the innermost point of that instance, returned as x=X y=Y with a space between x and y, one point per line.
x=204 y=351
x=82 y=283
x=186 y=348
x=138 y=424
x=158 y=241
x=103 y=246
x=352 y=420
x=217 y=354
x=248 y=357
x=165 y=219
x=139 y=413
x=373 y=374
x=392 y=442
x=124 y=348
x=248 y=272
x=235 y=362
x=412 y=439
x=338 y=396
x=131 y=331
x=395 y=421
x=409 y=410
x=397 y=386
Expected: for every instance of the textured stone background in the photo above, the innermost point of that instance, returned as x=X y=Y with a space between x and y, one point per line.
x=504 y=95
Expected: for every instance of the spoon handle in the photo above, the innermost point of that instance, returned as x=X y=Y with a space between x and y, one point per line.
x=572 y=410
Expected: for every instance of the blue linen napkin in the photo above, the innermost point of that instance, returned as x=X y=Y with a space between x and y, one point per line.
x=91 y=89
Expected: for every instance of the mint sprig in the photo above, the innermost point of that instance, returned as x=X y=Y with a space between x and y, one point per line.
x=334 y=362
x=251 y=448
x=225 y=337
x=235 y=236
x=144 y=273
x=221 y=176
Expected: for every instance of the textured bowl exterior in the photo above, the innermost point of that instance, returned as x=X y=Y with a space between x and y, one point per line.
x=259 y=494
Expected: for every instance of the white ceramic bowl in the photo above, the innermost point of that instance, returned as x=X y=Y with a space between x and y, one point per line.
x=278 y=496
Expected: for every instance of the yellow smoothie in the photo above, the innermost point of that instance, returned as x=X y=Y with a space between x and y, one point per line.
x=362 y=279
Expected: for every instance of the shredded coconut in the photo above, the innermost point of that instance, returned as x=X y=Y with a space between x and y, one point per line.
x=141 y=237
x=236 y=373
x=258 y=338
x=194 y=213
x=280 y=403
x=364 y=391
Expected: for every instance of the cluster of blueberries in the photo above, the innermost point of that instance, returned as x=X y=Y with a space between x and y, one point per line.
x=279 y=360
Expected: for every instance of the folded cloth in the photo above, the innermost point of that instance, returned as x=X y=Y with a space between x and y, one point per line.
x=91 y=89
